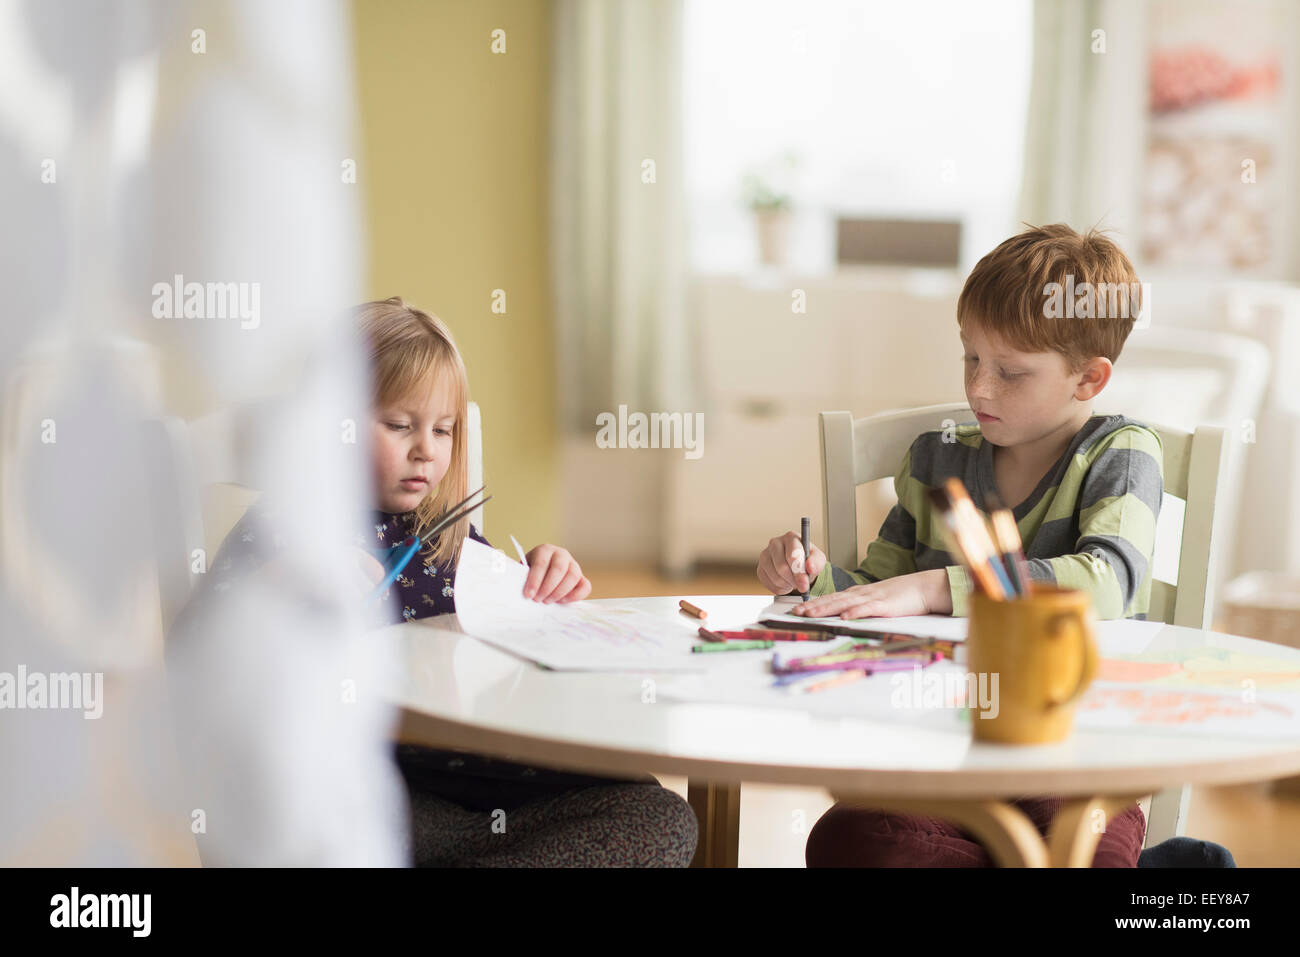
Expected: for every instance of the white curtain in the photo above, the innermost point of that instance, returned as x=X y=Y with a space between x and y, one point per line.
x=1085 y=133
x=133 y=150
x=618 y=248
x=1084 y=164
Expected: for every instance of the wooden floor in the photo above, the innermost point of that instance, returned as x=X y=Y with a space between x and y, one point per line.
x=1258 y=823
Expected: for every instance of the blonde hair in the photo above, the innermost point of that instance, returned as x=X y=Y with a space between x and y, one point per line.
x=1005 y=293
x=410 y=352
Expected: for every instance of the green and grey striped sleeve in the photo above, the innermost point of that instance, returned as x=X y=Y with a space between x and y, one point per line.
x=1092 y=529
x=1117 y=508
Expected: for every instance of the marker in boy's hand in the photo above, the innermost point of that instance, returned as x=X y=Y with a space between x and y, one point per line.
x=782 y=567
x=554 y=576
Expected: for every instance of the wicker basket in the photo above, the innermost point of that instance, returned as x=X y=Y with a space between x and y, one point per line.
x=1263 y=605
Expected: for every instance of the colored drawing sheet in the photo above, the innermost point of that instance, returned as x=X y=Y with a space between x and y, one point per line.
x=490 y=606
x=1202 y=690
x=1116 y=706
x=1206 y=668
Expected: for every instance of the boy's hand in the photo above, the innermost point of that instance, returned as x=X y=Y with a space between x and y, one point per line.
x=921 y=593
x=554 y=576
x=781 y=566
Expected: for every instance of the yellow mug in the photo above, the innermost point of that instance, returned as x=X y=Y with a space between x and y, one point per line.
x=1036 y=655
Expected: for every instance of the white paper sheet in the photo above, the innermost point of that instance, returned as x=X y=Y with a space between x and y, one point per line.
x=490 y=605
x=1113 y=706
x=925 y=699
x=586 y=637
x=893 y=697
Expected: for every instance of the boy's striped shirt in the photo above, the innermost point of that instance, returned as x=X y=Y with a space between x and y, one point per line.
x=1090 y=524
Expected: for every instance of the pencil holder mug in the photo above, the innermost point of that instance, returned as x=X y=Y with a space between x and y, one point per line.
x=1043 y=649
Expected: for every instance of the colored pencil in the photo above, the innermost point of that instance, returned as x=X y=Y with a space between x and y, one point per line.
x=732 y=646
x=856 y=651
x=825 y=683
x=884 y=663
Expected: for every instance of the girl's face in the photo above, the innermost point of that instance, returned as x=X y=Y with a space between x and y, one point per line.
x=412 y=442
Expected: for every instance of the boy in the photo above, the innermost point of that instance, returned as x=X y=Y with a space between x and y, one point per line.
x=1085 y=491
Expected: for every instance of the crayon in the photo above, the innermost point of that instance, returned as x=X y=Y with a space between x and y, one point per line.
x=690 y=609
x=773 y=635
x=842 y=679
x=889 y=663
x=732 y=646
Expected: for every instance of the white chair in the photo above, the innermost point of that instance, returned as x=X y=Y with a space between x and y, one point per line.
x=215 y=450
x=856 y=451
x=1189 y=377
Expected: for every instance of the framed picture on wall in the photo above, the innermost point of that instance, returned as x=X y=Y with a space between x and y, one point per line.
x=1215 y=137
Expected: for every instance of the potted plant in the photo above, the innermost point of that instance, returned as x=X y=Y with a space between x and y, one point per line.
x=769 y=201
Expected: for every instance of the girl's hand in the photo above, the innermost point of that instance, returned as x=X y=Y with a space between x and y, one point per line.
x=372 y=571
x=781 y=566
x=921 y=593
x=554 y=576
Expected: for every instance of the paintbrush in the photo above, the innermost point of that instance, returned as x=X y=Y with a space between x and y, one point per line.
x=1007 y=535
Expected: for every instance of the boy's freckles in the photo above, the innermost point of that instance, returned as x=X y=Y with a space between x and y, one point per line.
x=1012 y=392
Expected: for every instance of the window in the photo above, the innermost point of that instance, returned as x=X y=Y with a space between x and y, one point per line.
x=895 y=110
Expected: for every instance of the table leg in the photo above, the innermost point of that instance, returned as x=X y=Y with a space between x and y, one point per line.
x=1007 y=833
x=1078 y=826
x=717 y=809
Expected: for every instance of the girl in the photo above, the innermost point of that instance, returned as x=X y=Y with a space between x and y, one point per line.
x=420 y=393
x=418 y=458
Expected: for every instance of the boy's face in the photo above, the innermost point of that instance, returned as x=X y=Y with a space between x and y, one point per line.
x=1020 y=396
x=411 y=448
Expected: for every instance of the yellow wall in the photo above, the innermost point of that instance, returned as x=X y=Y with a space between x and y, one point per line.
x=454 y=172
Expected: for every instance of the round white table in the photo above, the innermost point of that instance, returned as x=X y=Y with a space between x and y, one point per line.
x=458 y=692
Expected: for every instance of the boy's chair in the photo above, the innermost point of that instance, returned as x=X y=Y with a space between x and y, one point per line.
x=857 y=451
x=215 y=451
